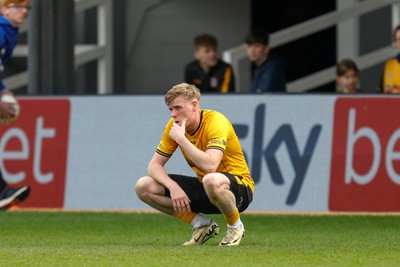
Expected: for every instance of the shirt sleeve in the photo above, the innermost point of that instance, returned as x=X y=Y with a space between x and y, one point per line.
x=218 y=133
x=167 y=145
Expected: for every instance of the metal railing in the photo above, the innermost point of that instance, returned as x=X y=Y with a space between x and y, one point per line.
x=102 y=51
x=236 y=54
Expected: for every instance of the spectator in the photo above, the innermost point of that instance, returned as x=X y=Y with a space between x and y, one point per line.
x=267 y=70
x=390 y=79
x=209 y=73
x=13 y=14
x=347 y=77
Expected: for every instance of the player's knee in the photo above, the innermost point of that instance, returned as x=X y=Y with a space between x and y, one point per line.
x=210 y=183
x=142 y=187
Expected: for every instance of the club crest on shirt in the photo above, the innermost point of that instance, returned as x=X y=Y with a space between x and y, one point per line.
x=213 y=82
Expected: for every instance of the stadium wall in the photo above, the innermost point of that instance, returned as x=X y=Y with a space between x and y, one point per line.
x=305 y=152
x=159 y=37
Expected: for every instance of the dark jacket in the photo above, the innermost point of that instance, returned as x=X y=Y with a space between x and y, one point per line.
x=269 y=77
x=219 y=79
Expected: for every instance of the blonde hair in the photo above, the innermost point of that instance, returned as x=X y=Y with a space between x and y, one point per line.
x=188 y=91
x=9 y=2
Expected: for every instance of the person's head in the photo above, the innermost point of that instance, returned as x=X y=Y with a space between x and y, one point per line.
x=183 y=100
x=206 y=50
x=15 y=11
x=257 y=46
x=347 y=76
x=396 y=37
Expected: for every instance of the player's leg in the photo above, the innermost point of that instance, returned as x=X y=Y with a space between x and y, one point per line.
x=11 y=196
x=203 y=227
x=3 y=183
x=153 y=193
x=158 y=197
x=225 y=193
x=217 y=187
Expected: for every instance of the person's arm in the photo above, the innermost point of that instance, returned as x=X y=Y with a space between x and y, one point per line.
x=156 y=170
x=186 y=75
x=189 y=73
x=227 y=81
x=232 y=83
x=6 y=110
x=207 y=161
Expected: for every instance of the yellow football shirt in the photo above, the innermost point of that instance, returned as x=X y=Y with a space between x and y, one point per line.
x=214 y=132
x=391 y=77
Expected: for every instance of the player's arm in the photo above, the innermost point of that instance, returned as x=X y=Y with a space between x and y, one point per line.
x=156 y=170
x=6 y=110
x=207 y=161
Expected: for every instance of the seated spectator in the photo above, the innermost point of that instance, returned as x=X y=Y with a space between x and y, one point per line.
x=347 y=77
x=267 y=71
x=390 y=79
x=209 y=73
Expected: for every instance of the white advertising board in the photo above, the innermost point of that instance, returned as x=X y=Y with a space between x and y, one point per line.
x=87 y=152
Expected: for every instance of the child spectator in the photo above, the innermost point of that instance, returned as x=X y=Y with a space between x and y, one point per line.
x=347 y=77
x=209 y=73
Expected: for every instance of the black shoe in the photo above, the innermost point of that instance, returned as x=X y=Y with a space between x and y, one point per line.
x=11 y=196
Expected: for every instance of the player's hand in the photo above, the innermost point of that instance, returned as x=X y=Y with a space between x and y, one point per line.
x=6 y=110
x=177 y=131
x=180 y=201
x=6 y=91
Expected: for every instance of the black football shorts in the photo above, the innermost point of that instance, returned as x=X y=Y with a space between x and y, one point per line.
x=199 y=202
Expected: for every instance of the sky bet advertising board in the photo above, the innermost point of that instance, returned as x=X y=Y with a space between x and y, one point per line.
x=305 y=152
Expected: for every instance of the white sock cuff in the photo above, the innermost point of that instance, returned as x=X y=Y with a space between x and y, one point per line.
x=200 y=220
x=238 y=224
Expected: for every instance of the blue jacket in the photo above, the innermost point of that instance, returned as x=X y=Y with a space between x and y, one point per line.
x=269 y=77
x=8 y=41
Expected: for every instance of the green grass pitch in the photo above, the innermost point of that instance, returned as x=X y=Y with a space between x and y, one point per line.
x=38 y=238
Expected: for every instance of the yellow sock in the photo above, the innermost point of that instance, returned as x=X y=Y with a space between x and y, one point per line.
x=186 y=217
x=233 y=218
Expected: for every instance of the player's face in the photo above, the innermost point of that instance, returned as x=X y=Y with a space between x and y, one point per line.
x=207 y=56
x=348 y=81
x=182 y=109
x=257 y=52
x=16 y=14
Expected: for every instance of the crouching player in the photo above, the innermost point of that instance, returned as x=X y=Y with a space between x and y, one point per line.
x=211 y=147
